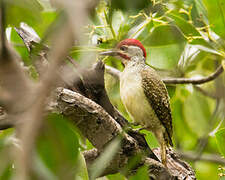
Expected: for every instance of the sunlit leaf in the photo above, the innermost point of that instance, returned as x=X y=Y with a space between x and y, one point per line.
x=164 y=57
x=164 y=46
x=22 y=11
x=164 y=35
x=117 y=176
x=197 y=120
x=191 y=33
x=151 y=139
x=182 y=132
x=81 y=171
x=220 y=138
x=142 y=174
x=216 y=15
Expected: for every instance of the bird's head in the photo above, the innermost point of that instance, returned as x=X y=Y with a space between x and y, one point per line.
x=127 y=51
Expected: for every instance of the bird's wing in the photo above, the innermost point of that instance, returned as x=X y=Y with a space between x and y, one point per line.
x=157 y=96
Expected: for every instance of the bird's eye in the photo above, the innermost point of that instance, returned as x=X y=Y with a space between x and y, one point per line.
x=123 y=48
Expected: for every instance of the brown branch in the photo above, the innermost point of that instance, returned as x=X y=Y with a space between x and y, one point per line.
x=116 y=73
x=192 y=156
x=93 y=121
x=211 y=77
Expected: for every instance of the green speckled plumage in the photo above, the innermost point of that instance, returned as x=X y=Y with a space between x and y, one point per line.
x=157 y=96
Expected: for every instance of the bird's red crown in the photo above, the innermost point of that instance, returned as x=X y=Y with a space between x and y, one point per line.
x=132 y=42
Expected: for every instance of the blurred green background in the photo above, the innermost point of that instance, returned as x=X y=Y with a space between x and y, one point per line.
x=182 y=39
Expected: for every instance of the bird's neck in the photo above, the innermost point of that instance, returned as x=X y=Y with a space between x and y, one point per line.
x=135 y=62
x=131 y=73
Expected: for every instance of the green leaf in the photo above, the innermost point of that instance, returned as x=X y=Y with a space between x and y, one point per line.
x=164 y=35
x=81 y=171
x=216 y=15
x=127 y=5
x=116 y=176
x=142 y=174
x=182 y=133
x=145 y=32
x=20 y=47
x=99 y=165
x=164 y=46
x=220 y=139
x=58 y=147
x=151 y=139
x=7 y=173
x=189 y=31
x=6 y=141
x=197 y=112
x=46 y=18
x=164 y=57
x=22 y=11
x=201 y=13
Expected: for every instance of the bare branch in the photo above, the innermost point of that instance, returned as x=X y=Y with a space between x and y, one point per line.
x=211 y=77
x=116 y=73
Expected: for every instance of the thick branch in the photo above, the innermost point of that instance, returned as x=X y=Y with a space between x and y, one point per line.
x=93 y=121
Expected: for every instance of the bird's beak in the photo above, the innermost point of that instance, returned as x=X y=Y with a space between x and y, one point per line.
x=109 y=53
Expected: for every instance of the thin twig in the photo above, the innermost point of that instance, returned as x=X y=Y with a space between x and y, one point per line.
x=211 y=77
x=110 y=25
x=116 y=73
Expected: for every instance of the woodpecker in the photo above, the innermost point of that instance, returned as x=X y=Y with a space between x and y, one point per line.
x=143 y=93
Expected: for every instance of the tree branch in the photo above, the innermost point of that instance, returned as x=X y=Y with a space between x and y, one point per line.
x=116 y=73
x=211 y=77
x=93 y=121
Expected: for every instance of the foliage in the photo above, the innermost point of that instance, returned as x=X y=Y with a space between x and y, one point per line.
x=182 y=39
